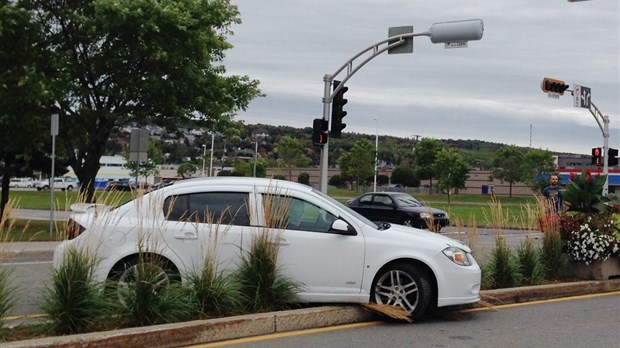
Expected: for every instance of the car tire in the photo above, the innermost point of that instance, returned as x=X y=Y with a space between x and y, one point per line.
x=407 y=221
x=123 y=274
x=403 y=285
x=69 y=188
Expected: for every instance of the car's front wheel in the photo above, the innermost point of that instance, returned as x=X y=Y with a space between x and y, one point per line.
x=403 y=285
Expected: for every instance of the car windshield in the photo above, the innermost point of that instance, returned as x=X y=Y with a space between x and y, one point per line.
x=347 y=209
x=405 y=200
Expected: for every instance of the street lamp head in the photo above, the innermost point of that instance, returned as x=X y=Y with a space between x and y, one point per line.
x=456 y=31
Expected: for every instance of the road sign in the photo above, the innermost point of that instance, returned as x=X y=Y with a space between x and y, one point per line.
x=457 y=44
x=582 y=96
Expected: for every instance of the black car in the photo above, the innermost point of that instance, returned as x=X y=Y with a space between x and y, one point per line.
x=399 y=208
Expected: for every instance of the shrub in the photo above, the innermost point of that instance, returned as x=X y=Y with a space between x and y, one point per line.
x=503 y=269
x=529 y=261
x=75 y=302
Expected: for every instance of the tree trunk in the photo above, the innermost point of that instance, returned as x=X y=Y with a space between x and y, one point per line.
x=6 y=181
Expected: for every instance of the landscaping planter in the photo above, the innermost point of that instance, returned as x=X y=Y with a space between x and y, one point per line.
x=599 y=270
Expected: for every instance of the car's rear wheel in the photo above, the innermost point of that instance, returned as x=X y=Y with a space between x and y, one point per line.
x=69 y=188
x=149 y=269
x=405 y=286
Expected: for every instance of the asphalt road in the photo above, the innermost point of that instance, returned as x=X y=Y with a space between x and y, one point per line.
x=585 y=321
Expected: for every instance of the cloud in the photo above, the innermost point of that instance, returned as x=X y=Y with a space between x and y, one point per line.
x=488 y=91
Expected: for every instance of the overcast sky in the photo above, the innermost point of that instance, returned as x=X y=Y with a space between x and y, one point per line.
x=489 y=91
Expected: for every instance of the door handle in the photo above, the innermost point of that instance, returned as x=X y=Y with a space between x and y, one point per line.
x=186 y=236
x=282 y=241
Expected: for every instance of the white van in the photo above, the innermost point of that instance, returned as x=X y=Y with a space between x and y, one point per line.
x=21 y=183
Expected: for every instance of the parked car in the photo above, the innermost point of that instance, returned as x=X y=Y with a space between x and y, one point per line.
x=64 y=183
x=21 y=183
x=125 y=185
x=399 y=208
x=338 y=255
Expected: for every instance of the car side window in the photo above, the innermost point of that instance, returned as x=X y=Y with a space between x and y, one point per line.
x=229 y=208
x=383 y=200
x=366 y=200
x=299 y=214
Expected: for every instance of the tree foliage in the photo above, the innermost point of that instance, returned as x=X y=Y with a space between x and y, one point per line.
x=24 y=76
x=536 y=163
x=359 y=162
x=290 y=155
x=451 y=170
x=425 y=153
x=141 y=61
x=508 y=163
x=404 y=175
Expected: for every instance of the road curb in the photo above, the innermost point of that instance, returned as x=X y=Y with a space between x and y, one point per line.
x=545 y=292
x=213 y=330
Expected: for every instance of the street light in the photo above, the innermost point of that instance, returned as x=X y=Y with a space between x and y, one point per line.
x=255 y=155
x=204 y=158
x=374 y=187
x=452 y=34
x=53 y=133
x=211 y=162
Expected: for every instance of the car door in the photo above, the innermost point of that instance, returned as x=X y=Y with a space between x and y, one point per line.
x=384 y=209
x=325 y=263
x=367 y=208
x=207 y=224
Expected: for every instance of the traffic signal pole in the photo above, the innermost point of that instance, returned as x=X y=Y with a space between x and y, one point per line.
x=603 y=124
x=446 y=32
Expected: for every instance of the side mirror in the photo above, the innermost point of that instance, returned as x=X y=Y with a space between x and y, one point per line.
x=342 y=227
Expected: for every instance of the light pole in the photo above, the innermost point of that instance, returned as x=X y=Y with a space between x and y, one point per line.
x=453 y=34
x=204 y=158
x=53 y=133
x=211 y=161
x=255 y=155
x=374 y=187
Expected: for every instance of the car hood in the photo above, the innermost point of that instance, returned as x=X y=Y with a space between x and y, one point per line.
x=435 y=237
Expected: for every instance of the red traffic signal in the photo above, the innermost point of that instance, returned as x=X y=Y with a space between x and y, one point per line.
x=319 y=131
x=549 y=85
x=597 y=156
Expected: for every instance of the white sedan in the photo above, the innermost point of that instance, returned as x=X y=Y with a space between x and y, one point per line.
x=338 y=255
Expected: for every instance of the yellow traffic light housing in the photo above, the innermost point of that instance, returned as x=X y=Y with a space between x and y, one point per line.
x=549 y=85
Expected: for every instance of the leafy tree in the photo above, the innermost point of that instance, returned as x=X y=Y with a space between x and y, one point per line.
x=24 y=95
x=535 y=163
x=425 y=153
x=142 y=61
x=290 y=154
x=508 y=163
x=304 y=178
x=404 y=175
x=186 y=170
x=359 y=162
x=451 y=170
x=337 y=180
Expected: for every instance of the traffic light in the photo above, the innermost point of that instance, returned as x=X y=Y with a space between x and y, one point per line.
x=319 y=131
x=597 y=156
x=549 y=85
x=612 y=158
x=337 y=113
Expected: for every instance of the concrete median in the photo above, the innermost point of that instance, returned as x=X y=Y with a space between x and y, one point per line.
x=212 y=330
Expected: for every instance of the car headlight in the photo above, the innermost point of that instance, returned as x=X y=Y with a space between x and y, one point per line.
x=458 y=256
x=425 y=215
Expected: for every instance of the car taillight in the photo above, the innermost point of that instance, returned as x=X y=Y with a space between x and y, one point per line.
x=74 y=229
